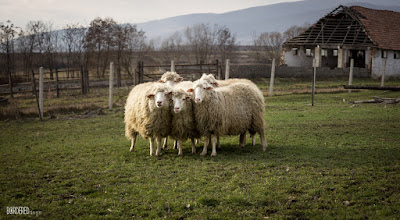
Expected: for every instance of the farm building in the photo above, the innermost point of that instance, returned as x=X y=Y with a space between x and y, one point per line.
x=370 y=37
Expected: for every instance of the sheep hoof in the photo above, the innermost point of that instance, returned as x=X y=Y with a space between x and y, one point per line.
x=180 y=154
x=203 y=153
x=214 y=154
x=132 y=149
x=193 y=151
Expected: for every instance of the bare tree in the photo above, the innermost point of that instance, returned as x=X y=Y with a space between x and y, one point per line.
x=94 y=40
x=50 y=47
x=33 y=43
x=7 y=34
x=269 y=46
x=294 y=31
x=135 y=49
x=127 y=36
x=172 y=48
x=201 y=40
x=72 y=39
x=225 y=43
x=100 y=38
x=208 y=42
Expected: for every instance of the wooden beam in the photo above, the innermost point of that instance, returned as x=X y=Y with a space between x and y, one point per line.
x=392 y=88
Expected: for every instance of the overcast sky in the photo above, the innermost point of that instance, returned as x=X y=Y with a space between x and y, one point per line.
x=62 y=12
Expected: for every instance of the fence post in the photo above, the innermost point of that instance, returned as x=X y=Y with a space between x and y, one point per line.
x=111 y=86
x=172 y=66
x=10 y=83
x=351 y=73
x=218 y=69
x=119 y=83
x=41 y=78
x=272 y=79
x=315 y=63
x=82 y=80
x=57 y=85
x=227 y=62
x=141 y=72
x=86 y=71
x=383 y=73
x=35 y=93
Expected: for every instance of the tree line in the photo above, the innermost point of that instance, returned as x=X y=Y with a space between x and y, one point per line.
x=41 y=44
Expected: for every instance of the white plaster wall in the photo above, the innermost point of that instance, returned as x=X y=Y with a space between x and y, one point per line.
x=299 y=60
x=392 y=65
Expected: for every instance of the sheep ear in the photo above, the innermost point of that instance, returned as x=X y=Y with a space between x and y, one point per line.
x=150 y=96
x=209 y=88
x=160 y=81
x=190 y=90
x=215 y=84
x=188 y=98
x=180 y=79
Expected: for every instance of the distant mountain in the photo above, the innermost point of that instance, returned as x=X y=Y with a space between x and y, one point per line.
x=276 y=17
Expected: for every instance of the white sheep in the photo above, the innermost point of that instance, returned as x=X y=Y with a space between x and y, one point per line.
x=170 y=78
x=183 y=125
x=220 y=83
x=147 y=112
x=229 y=110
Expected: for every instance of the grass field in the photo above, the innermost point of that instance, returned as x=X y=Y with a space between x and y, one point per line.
x=331 y=161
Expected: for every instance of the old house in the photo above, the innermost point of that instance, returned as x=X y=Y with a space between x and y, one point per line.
x=370 y=37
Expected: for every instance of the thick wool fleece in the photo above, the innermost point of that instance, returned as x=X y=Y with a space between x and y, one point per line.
x=173 y=76
x=229 y=110
x=141 y=114
x=183 y=124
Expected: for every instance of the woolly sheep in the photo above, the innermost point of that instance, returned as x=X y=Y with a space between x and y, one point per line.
x=147 y=113
x=229 y=110
x=170 y=78
x=183 y=125
x=220 y=83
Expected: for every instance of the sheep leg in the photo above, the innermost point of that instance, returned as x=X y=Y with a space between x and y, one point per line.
x=206 y=142
x=193 y=146
x=175 y=144
x=253 y=140
x=263 y=142
x=151 y=146
x=158 y=151
x=165 y=145
x=214 y=145
x=198 y=140
x=179 y=143
x=242 y=140
x=133 y=143
x=218 y=144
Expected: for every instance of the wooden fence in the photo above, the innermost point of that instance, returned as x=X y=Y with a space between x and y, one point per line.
x=153 y=72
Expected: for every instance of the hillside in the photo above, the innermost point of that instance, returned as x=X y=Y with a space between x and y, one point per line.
x=276 y=17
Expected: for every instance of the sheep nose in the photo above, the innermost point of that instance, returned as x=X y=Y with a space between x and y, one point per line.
x=197 y=100
x=159 y=102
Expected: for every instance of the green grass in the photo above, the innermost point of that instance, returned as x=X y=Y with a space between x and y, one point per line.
x=331 y=161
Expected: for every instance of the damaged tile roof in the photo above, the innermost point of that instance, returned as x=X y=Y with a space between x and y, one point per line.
x=353 y=27
x=382 y=26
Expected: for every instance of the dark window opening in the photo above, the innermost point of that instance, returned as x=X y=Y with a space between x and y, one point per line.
x=359 y=58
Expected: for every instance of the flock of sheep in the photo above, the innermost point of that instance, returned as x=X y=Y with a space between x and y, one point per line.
x=184 y=110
